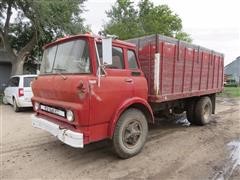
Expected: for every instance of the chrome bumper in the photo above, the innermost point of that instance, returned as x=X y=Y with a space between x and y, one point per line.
x=71 y=138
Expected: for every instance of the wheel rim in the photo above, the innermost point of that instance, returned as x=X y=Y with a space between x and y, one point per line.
x=132 y=134
x=206 y=111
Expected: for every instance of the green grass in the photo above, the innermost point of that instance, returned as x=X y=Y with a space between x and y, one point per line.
x=231 y=92
x=1 y=98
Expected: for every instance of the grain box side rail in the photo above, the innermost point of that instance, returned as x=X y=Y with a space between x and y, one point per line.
x=175 y=69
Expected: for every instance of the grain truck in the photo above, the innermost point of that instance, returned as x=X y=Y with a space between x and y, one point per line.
x=92 y=88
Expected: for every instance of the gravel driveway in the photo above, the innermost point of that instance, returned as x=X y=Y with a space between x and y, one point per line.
x=172 y=151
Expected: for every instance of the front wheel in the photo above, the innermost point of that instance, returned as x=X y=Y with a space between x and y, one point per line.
x=130 y=133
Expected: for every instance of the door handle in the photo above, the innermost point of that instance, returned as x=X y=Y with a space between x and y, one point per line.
x=129 y=80
x=136 y=73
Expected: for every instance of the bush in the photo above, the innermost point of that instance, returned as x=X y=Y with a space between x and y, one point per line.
x=230 y=85
x=231 y=92
x=1 y=98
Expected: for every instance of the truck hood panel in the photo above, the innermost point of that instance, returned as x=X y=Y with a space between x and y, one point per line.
x=61 y=88
x=66 y=92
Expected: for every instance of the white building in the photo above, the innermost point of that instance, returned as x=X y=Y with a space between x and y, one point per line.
x=233 y=69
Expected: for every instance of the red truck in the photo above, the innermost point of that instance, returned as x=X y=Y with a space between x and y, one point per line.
x=94 y=88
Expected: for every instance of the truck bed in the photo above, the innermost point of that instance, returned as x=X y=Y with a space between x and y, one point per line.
x=175 y=69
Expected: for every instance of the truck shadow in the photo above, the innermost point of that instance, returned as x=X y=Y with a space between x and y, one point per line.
x=167 y=125
x=27 y=110
x=103 y=149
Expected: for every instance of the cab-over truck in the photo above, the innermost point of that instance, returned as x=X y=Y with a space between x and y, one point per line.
x=92 y=88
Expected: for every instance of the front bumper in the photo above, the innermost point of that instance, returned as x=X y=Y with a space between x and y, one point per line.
x=69 y=137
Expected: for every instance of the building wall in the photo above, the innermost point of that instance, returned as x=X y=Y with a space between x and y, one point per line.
x=4 y=56
x=5 y=68
x=5 y=73
x=233 y=69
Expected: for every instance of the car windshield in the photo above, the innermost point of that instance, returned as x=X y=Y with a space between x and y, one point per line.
x=68 y=57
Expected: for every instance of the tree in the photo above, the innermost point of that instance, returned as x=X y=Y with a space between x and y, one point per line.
x=36 y=23
x=183 y=36
x=129 y=22
x=124 y=20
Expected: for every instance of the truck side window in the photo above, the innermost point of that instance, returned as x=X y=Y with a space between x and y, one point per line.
x=117 y=57
x=132 y=62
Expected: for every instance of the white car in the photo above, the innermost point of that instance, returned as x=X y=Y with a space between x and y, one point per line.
x=18 y=91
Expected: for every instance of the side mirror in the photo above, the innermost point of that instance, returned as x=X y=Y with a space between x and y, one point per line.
x=107 y=50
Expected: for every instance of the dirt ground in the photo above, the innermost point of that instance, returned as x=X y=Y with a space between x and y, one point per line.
x=172 y=151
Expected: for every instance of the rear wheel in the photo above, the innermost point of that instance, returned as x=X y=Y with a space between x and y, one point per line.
x=203 y=111
x=15 y=106
x=130 y=133
x=190 y=112
x=199 y=113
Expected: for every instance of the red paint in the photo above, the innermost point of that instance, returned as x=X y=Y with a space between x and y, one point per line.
x=183 y=74
x=188 y=74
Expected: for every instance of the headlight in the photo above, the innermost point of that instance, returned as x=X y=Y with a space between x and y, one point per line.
x=70 y=115
x=36 y=106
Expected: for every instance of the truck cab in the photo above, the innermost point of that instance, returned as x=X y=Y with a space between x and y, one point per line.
x=81 y=97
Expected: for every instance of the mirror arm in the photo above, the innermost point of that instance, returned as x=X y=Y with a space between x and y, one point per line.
x=99 y=65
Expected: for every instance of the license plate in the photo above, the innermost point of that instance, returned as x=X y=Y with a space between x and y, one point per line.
x=53 y=110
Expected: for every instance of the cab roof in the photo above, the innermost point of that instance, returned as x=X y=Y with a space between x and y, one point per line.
x=98 y=38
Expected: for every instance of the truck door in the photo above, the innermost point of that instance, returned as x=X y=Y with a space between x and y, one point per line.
x=136 y=75
x=115 y=87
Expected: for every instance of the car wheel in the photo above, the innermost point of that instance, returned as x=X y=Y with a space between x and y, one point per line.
x=15 y=106
x=130 y=133
x=5 y=100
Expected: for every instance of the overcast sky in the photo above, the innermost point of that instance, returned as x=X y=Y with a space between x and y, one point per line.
x=211 y=23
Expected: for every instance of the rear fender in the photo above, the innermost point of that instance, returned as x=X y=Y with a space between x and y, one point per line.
x=134 y=102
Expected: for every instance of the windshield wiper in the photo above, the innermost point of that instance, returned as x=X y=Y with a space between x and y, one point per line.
x=59 y=72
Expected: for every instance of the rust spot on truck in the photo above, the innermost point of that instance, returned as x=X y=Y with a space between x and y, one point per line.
x=82 y=90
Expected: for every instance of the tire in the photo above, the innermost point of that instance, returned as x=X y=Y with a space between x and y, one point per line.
x=130 y=133
x=15 y=106
x=190 y=113
x=5 y=100
x=203 y=111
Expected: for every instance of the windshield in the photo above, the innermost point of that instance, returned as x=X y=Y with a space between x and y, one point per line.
x=68 y=57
